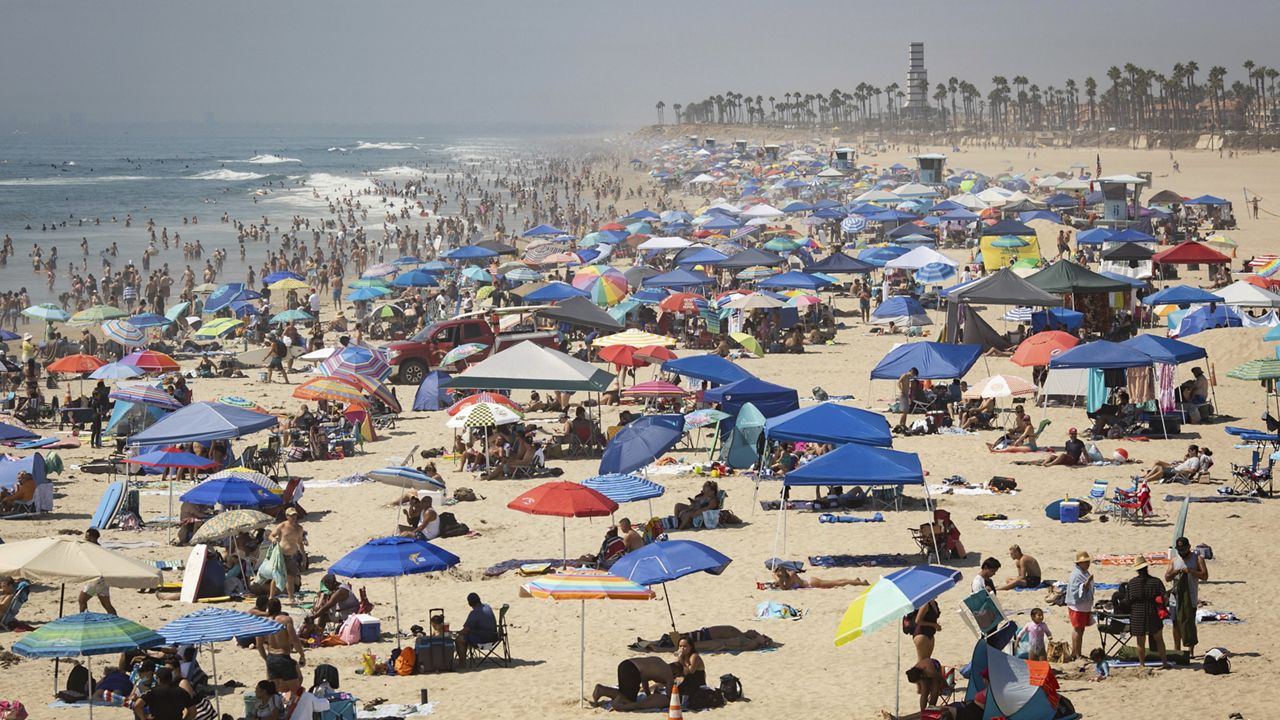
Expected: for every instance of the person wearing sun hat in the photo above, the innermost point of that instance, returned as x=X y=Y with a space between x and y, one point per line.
x=1146 y=599
x=1079 y=600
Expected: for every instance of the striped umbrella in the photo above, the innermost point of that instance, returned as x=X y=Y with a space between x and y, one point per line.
x=150 y=360
x=48 y=312
x=584 y=277
x=655 y=389
x=230 y=523
x=337 y=389
x=125 y=333
x=704 y=417
x=934 y=273
x=539 y=252
x=756 y=273
x=211 y=625
x=243 y=403
x=462 y=352
x=406 y=477
x=622 y=488
x=1265 y=369
x=609 y=289
x=97 y=314
x=145 y=394
x=218 y=327
x=998 y=386
x=244 y=473
x=373 y=388
x=583 y=585
x=634 y=338
x=357 y=360
x=523 y=274
x=486 y=396
x=292 y=315
x=1018 y=315
x=86 y=634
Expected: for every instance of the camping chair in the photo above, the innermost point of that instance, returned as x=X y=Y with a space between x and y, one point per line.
x=19 y=598
x=497 y=652
x=517 y=469
x=1134 y=507
x=384 y=421
x=986 y=619
x=1098 y=493
x=924 y=541
x=583 y=440
x=885 y=498
x=1113 y=631
x=1251 y=479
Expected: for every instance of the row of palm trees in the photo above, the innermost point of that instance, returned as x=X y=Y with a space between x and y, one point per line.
x=1134 y=98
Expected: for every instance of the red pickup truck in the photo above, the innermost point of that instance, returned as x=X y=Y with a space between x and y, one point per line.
x=415 y=357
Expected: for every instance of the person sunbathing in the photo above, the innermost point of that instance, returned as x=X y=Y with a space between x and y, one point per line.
x=1072 y=453
x=23 y=492
x=1023 y=434
x=708 y=498
x=977 y=413
x=785 y=579
x=1161 y=471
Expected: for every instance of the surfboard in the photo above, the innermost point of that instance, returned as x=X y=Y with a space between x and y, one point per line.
x=193 y=572
x=112 y=500
x=1052 y=510
x=42 y=442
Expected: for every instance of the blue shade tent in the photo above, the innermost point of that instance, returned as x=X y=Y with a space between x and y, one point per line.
x=470 y=252
x=839 y=263
x=33 y=464
x=720 y=222
x=751 y=257
x=1184 y=323
x=1102 y=354
x=830 y=423
x=935 y=361
x=1131 y=235
x=1061 y=200
x=679 y=278
x=202 y=422
x=1166 y=350
x=793 y=279
x=538 y=230
x=878 y=256
x=223 y=296
x=640 y=442
x=857 y=464
x=902 y=310
x=1008 y=227
x=1094 y=236
x=711 y=368
x=1056 y=319
x=392 y=557
x=1181 y=295
x=769 y=399
x=555 y=292
x=959 y=215
x=622 y=488
x=1030 y=215
x=13 y=432
x=1207 y=200
x=700 y=256
x=431 y=393
x=659 y=563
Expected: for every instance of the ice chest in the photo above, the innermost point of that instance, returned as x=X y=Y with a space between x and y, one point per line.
x=434 y=654
x=1069 y=512
x=370 y=628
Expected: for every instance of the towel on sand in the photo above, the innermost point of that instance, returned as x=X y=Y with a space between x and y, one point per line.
x=880 y=560
x=1127 y=559
x=1007 y=524
x=1213 y=499
x=509 y=565
x=829 y=518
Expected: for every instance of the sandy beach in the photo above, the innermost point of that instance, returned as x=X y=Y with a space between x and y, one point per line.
x=806 y=674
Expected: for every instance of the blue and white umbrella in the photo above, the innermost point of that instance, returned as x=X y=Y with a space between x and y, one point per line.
x=622 y=488
x=661 y=562
x=212 y=625
x=124 y=333
x=934 y=273
x=115 y=371
x=853 y=224
x=406 y=477
x=1017 y=314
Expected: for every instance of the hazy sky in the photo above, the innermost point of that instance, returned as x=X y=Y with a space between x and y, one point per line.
x=592 y=63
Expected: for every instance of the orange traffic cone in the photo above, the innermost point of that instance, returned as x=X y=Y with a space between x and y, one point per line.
x=673 y=712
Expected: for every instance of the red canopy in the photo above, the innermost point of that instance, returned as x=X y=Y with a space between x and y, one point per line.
x=1190 y=252
x=563 y=499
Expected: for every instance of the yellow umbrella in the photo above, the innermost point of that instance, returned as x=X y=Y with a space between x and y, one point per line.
x=748 y=343
x=288 y=284
x=634 y=338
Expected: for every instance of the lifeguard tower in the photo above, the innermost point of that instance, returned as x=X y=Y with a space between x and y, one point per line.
x=1119 y=207
x=772 y=152
x=693 y=139
x=845 y=158
x=709 y=143
x=740 y=147
x=931 y=168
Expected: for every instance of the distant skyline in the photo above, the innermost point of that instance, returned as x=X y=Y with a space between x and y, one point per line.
x=556 y=64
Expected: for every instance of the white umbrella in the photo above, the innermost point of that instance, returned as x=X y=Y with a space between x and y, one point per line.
x=998 y=386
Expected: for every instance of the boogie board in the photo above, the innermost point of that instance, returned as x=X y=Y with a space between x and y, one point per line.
x=110 y=505
x=1053 y=509
x=193 y=572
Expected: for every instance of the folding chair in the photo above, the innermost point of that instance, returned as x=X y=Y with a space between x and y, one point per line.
x=497 y=652
x=1133 y=506
x=20 y=597
x=1098 y=493
x=1113 y=632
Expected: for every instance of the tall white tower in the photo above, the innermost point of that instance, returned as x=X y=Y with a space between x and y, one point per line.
x=917 y=105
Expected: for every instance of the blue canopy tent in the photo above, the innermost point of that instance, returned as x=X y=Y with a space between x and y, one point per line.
x=469 y=252
x=432 y=394
x=700 y=256
x=902 y=310
x=1166 y=350
x=678 y=278
x=1094 y=236
x=1056 y=319
x=555 y=292
x=710 y=368
x=1131 y=235
x=935 y=361
x=539 y=230
x=858 y=464
x=1182 y=295
x=204 y=421
x=793 y=279
x=1100 y=354
x=830 y=423
x=769 y=399
x=1207 y=200
x=1030 y=215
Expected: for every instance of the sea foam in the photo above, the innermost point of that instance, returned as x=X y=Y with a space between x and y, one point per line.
x=226 y=175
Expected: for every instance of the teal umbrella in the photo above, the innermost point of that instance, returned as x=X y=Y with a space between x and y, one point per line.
x=780 y=244
x=175 y=311
x=1009 y=241
x=47 y=312
x=477 y=274
x=367 y=293
x=293 y=315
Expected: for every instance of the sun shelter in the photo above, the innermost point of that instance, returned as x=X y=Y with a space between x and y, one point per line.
x=1242 y=293
x=830 y=423
x=838 y=263
x=934 y=361
x=918 y=258
x=751 y=257
x=203 y=422
x=1056 y=319
x=432 y=394
x=678 y=278
x=709 y=368
x=1185 y=323
x=1190 y=253
x=902 y=311
x=581 y=312
x=769 y=399
x=741 y=449
x=529 y=366
x=1003 y=287
x=1065 y=276
x=1181 y=295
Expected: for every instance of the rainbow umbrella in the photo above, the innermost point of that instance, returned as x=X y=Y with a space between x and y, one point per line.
x=585 y=276
x=145 y=394
x=462 y=352
x=1265 y=271
x=333 y=389
x=125 y=333
x=655 y=389
x=634 y=338
x=609 y=289
x=373 y=388
x=357 y=360
x=583 y=585
x=890 y=598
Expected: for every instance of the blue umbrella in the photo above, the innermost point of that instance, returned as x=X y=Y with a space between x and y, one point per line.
x=223 y=296
x=641 y=442
x=477 y=274
x=147 y=320
x=292 y=315
x=279 y=275
x=537 y=230
x=624 y=488
x=416 y=278
x=661 y=562
x=212 y=625
x=470 y=252
x=86 y=634
x=435 y=266
x=555 y=292
x=392 y=557
x=367 y=293
x=935 y=272
x=230 y=492
x=406 y=260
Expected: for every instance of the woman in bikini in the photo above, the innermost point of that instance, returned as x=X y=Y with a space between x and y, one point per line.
x=785 y=579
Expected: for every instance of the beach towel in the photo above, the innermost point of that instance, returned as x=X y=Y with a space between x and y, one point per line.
x=392 y=710
x=880 y=560
x=1044 y=585
x=1007 y=524
x=829 y=518
x=1165 y=399
x=509 y=565
x=770 y=610
x=1214 y=499
x=1097 y=390
x=1128 y=559
x=965 y=490
x=1204 y=615
x=128 y=544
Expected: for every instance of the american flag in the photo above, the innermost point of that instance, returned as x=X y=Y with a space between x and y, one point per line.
x=1099 y=159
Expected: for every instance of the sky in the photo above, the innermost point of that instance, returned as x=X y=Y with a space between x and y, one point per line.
x=597 y=64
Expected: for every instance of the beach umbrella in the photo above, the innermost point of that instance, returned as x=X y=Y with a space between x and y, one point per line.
x=583 y=585
x=416 y=278
x=379 y=270
x=230 y=523
x=375 y=389
x=748 y=343
x=48 y=312
x=213 y=625
x=1009 y=241
x=244 y=403
x=890 y=598
x=115 y=371
x=244 y=473
x=609 y=289
x=1043 y=346
x=655 y=389
x=292 y=315
x=125 y=333
x=640 y=442
x=63 y=560
x=681 y=302
x=386 y=310
x=998 y=386
x=704 y=417
x=367 y=293
x=585 y=276
x=206 y=288
x=659 y=563
x=523 y=274
x=621 y=488
x=753 y=301
x=149 y=320
x=476 y=273
x=75 y=364
x=150 y=360
x=218 y=327
x=462 y=352
x=564 y=500
x=934 y=273
x=484 y=415
x=486 y=396
x=286 y=284
x=392 y=557
x=357 y=360
x=756 y=273
x=655 y=354
x=336 y=389
x=406 y=477
x=98 y=314
x=621 y=356
x=1264 y=369
x=230 y=492
x=223 y=295
x=145 y=395
x=634 y=338
x=172 y=457
x=275 y=277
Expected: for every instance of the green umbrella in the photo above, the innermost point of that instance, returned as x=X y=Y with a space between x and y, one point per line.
x=47 y=312
x=292 y=315
x=368 y=283
x=98 y=314
x=1265 y=369
x=174 y=312
x=387 y=311
x=218 y=327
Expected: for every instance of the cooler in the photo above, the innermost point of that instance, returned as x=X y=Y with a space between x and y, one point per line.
x=434 y=654
x=1069 y=512
x=370 y=628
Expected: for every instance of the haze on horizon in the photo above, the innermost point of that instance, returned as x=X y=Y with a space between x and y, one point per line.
x=569 y=63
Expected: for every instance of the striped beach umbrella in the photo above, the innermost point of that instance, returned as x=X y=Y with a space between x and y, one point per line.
x=634 y=338
x=1018 y=314
x=97 y=314
x=486 y=396
x=523 y=274
x=375 y=389
x=146 y=395
x=210 y=625
x=336 y=389
x=1264 y=369
x=150 y=360
x=655 y=389
x=86 y=634
x=756 y=272
x=124 y=332
x=292 y=315
x=48 y=312
x=218 y=327
x=609 y=289
x=622 y=488
x=244 y=473
x=367 y=293
x=998 y=386
x=583 y=277
x=406 y=477
x=934 y=273
x=230 y=523
x=244 y=403
x=357 y=360
x=704 y=417
x=462 y=352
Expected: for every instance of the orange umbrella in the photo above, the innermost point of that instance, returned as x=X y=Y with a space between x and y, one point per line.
x=621 y=355
x=76 y=364
x=680 y=302
x=655 y=354
x=1039 y=348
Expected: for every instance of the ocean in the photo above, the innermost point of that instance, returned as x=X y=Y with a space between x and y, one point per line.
x=53 y=189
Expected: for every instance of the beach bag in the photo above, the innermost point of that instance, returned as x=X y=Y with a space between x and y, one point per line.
x=349 y=633
x=450 y=527
x=406 y=661
x=1204 y=551
x=703 y=698
x=1216 y=662
x=12 y=710
x=1002 y=484
x=325 y=675
x=730 y=688
x=1093 y=453
x=464 y=494
x=272 y=567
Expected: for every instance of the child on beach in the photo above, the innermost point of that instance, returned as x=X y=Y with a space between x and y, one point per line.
x=1036 y=634
x=1101 y=667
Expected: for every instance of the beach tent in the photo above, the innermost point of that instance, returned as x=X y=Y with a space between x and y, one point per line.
x=1065 y=276
x=918 y=258
x=128 y=418
x=581 y=312
x=1181 y=295
x=700 y=256
x=1125 y=252
x=33 y=464
x=1094 y=236
x=678 y=278
x=1242 y=293
x=1008 y=227
x=1066 y=385
x=432 y=394
x=1207 y=200
x=934 y=360
x=1165 y=350
x=830 y=423
x=1056 y=319
x=769 y=399
x=901 y=310
x=553 y=292
x=1133 y=235
x=857 y=464
x=1101 y=354
x=1184 y=323
x=976 y=331
x=751 y=257
x=838 y=263
x=202 y=422
x=1003 y=287
x=1190 y=252
x=793 y=279
x=1016 y=689
x=528 y=366
x=741 y=447
x=710 y=368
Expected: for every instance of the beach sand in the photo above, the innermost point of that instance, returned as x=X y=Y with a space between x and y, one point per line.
x=807 y=674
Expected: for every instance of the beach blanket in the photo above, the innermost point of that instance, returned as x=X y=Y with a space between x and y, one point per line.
x=1007 y=524
x=829 y=518
x=391 y=710
x=965 y=490
x=509 y=565
x=1044 y=585
x=346 y=482
x=1127 y=559
x=748 y=641
x=880 y=560
x=1213 y=499
x=128 y=544
x=167 y=564
x=770 y=610
x=1203 y=615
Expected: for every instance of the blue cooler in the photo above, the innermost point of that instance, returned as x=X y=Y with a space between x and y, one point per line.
x=1069 y=512
x=370 y=628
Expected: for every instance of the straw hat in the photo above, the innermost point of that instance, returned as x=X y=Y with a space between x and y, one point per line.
x=1083 y=556
x=1141 y=564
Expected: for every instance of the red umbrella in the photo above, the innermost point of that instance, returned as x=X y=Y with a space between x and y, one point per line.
x=1039 y=348
x=613 y=226
x=621 y=355
x=655 y=354
x=490 y=397
x=566 y=500
x=679 y=302
x=76 y=364
x=150 y=360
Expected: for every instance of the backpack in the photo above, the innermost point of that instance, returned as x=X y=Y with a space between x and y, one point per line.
x=1216 y=662
x=325 y=674
x=703 y=698
x=349 y=633
x=730 y=688
x=450 y=527
x=406 y=661
x=1002 y=484
x=464 y=494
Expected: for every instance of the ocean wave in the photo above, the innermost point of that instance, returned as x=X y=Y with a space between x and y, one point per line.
x=397 y=171
x=82 y=180
x=338 y=149
x=362 y=145
x=225 y=175
x=267 y=159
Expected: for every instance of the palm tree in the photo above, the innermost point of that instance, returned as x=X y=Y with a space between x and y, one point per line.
x=1072 y=116
x=1217 y=75
x=676 y=108
x=661 y=117
x=953 y=85
x=892 y=91
x=940 y=94
x=1091 y=93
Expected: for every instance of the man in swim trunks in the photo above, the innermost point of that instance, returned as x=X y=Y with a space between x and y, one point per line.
x=293 y=545
x=276 y=650
x=1028 y=570
x=98 y=588
x=635 y=674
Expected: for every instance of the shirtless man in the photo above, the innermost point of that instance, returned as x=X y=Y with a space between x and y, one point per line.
x=629 y=535
x=98 y=588
x=905 y=382
x=635 y=674
x=276 y=651
x=1028 y=570
x=293 y=543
